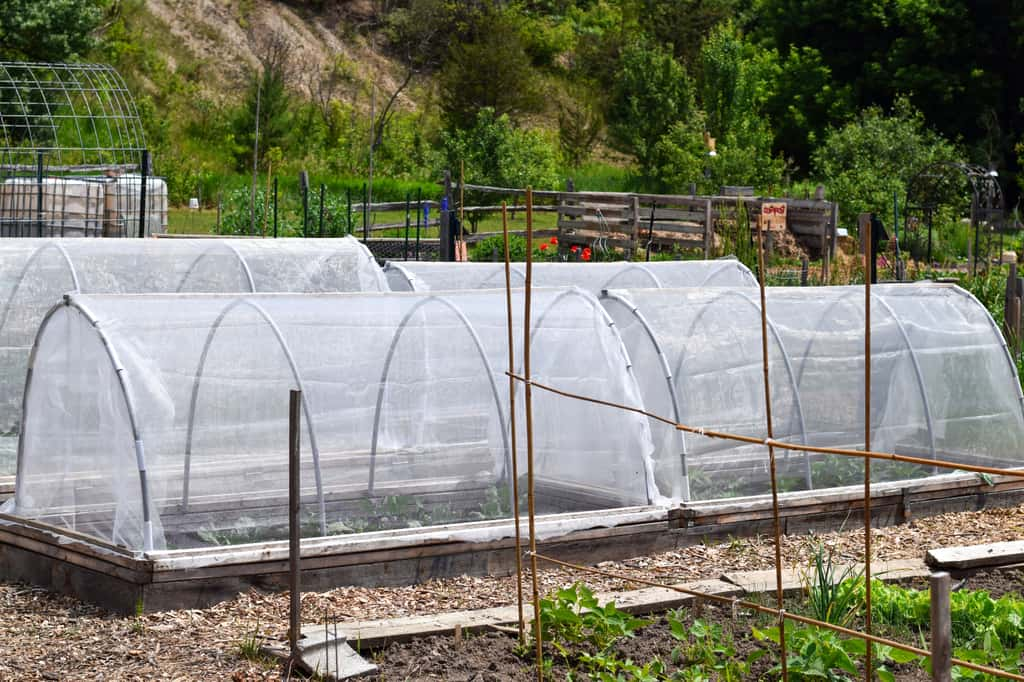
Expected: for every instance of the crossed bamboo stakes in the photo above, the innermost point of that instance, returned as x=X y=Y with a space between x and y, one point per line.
x=770 y=442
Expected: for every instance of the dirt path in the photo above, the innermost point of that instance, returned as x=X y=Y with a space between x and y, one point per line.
x=47 y=637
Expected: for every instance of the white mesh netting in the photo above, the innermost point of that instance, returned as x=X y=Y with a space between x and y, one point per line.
x=34 y=273
x=594 y=277
x=943 y=383
x=405 y=405
x=161 y=421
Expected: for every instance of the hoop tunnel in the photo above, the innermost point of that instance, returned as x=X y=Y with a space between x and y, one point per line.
x=927 y=336
x=198 y=384
x=31 y=281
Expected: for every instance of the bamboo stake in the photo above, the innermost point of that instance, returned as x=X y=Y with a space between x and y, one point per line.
x=868 y=668
x=512 y=426
x=771 y=450
x=528 y=394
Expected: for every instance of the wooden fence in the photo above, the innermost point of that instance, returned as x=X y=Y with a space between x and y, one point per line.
x=663 y=221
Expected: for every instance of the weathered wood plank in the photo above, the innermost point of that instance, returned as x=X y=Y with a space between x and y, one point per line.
x=374 y=634
x=973 y=556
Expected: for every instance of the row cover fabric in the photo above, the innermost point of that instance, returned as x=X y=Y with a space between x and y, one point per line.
x=151 y=419
x=594 y=277
x=942 y=382
x=35 y=273
x=160 y=421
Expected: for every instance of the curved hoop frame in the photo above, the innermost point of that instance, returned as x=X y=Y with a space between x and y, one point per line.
x=684 y=485
x=507 y=464
x=230 y=247
x=606 y=318
x=296 y=376
x=793 y=381
x=915 y=363
x=24 y=271
x=126 y=394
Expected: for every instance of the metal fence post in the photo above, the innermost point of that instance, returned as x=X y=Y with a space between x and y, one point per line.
x=143 y=174
x=294 y=534
x=39 y=194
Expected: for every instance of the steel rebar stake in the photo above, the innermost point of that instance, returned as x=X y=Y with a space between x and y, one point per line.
x=294 y=567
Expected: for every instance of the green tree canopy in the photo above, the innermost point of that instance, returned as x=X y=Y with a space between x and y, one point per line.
x=651 y=92
x=865 y=161
x=48 y=30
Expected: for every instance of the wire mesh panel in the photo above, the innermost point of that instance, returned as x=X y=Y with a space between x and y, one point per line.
x=71 y=155
x=166 y=426
x=35 y=273
x=594 y=277
x=943 y=384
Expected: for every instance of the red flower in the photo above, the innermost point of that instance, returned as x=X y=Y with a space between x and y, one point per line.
x=586 y=255
x=574 y=248
x=543 y=247
x=554 y=240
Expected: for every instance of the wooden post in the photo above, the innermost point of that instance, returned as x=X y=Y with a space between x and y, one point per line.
x=828 y=243
x=709 y=229
x=1017 y=314
x=634 y=208
x=942 y=629
x=294 y=550
x=804 y=270
x=1009 y=299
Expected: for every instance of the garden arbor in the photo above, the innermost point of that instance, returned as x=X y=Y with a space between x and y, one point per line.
x=952 y=189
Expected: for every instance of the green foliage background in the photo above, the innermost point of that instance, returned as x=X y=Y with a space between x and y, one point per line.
x=618 y=94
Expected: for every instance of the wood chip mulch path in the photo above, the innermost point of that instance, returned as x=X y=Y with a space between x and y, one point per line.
x=49 y=637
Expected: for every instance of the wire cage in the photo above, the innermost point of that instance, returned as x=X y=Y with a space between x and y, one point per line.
x=73 y=157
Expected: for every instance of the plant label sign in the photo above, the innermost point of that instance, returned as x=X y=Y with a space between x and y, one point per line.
x=773 y=215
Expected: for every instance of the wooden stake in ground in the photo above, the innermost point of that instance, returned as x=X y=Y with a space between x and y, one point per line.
x=771 y=448
x=528 y=395
x=512 y=425
x=868 y=668
x=942 y=629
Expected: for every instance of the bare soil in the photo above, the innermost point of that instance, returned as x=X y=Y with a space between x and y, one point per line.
x=493 y=656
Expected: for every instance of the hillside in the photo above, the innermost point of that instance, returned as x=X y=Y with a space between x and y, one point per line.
x=615 y=93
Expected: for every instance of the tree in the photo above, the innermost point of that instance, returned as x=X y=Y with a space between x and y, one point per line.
x=494 y=74
x=956 y=61
x=496 y=152
x=48 y=30
x=651 y=92
x=866 y=160
x=267 y=92
x=683 y=24
x=579 y=125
